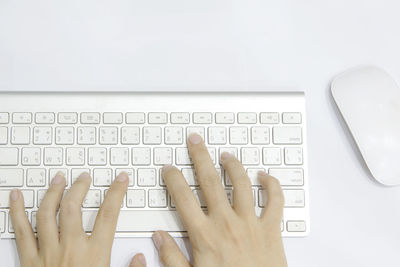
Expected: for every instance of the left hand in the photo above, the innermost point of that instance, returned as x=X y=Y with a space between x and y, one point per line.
x=69 y=246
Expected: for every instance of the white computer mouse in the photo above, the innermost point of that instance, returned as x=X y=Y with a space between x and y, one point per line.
x=369 y=100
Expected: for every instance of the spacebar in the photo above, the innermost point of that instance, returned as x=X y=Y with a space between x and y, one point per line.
x=139 y=221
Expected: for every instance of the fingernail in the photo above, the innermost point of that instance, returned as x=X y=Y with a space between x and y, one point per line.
x=14 y=194
x=84 y=175
x=226 y=155
x=141 y=259
x=194 y=139
x=58 y=178
x=122 y=178
x=157 y=239
x=263 y=174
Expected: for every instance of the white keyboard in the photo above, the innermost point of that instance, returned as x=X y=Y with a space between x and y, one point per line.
x=107 y=133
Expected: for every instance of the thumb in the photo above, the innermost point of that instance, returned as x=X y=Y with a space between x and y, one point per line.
x=138 y=261
x=168 y=250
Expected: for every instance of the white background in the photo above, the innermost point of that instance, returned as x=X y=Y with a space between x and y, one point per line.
x=135 y=45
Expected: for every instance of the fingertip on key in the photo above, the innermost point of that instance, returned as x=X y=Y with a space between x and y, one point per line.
x=194 y=139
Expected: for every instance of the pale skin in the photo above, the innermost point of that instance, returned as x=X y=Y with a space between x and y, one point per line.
x=226 y=236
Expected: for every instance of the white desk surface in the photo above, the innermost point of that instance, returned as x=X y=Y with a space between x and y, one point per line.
x=131 y=45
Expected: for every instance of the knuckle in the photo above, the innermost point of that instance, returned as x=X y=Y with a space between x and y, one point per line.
x=69 y=206
x=107 y=213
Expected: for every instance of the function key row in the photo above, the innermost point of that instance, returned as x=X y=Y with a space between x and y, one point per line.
x=152 y=118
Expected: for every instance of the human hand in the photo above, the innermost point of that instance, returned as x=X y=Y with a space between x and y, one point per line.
x=67 y=245
x=226 y=236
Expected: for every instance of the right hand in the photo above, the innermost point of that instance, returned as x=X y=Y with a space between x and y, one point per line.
x=225 y=236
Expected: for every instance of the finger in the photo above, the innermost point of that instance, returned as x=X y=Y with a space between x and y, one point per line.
x=70 y=208
x=46 y=221
x=273 y=210
x=185 y=202
x=138 y=261
x=26 y=242
x=207 y=176
x=168 y=250
x=243 y=193
x=107 y=217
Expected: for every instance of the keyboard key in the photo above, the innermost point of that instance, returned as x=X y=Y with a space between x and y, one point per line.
x=5 y=198
x=180 y=117
x=293 y=156
x=229 y=195
x=198 y=130
x=31 y=156
x=224 y=117
x=3 y=135
x=238 y=135
x=272 y=156
x=202 y=117
x=141 y=156
x=211 y=152
x=36 y=177
x=45 y=118
x=67 y=118
x=33 y=221
x=294 y=198
x=75 y=173
x=250 y=156
x=4 y=118
x=108 y=135
x=291 y=117
x=2 y=221
x=75 y=156
x=64 y=135
x=150 y=221
x=11 y=177
x=147 y=177
x=182 y=156
x=130 y=135
x=135 y=118
x=253 y=175
x=53 y=156
x=22 y=118
x=162 y=155
x=152 y=135
x=90 y=118
x=190 y=176
x=288 y=177
x=102 y=177
x=173 y=135
x=198 y=194
x=260 y=135
x=287 y=135
x=158 y=118
x=158 y=198
x=230 y=150
x=135 y=198
x=8 y=156
x=112 y=118
x=247 y=117
x=53 y=173
x=86 y=135
x=97 y=156
x=217 y=135
x=269 y=118
x=131 y=175
x=92 y=199
x=20 y=135
x=119 y=156
x=42 y=135
x=296 y=226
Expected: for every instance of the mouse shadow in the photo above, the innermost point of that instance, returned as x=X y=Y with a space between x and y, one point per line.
x=350 y=139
